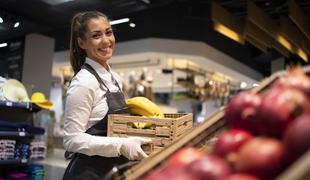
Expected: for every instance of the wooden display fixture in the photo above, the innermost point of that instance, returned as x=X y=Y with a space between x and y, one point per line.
x=201 y=134
x=163 y=131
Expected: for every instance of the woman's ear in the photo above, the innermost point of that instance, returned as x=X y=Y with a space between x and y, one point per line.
x=81 y=43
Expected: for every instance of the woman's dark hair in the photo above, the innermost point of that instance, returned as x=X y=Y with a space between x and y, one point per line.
x=78 y=30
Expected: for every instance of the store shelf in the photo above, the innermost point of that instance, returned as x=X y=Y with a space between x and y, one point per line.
x=14 y=161
x=13 y=133
x=18 y=111
x=15 y=104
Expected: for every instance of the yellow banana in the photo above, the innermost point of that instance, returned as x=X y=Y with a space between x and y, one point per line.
x=142 y=125
x=144 y=107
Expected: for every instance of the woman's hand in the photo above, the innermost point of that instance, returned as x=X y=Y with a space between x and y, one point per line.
x=131 y=147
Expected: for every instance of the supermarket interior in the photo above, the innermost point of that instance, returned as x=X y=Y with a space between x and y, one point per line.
x=194 y=89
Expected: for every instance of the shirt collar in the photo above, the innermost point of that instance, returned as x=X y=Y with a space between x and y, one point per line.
x=103 y=73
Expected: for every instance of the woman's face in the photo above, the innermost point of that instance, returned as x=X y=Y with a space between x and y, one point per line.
x=99 y=40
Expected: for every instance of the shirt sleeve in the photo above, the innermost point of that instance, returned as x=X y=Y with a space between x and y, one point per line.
x=77 y=114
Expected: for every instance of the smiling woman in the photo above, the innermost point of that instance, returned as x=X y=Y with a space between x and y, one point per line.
x=94 y=92
x=99 y=41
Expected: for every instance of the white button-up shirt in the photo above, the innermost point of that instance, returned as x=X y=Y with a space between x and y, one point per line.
x=85 y=106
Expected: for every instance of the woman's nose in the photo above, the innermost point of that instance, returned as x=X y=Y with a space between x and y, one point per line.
x=105 y=39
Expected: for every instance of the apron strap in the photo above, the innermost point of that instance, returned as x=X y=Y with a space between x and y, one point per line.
x=93 y=71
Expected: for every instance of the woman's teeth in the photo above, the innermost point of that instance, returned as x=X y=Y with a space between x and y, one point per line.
x=104 y=49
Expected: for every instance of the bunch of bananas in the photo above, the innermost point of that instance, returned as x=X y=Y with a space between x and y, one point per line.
x=144 y=107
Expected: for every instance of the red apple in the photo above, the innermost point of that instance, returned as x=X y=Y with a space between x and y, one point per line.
x=279 y=107
x=262 y=156
x=168 y=173
x=229 y=143
x=242 y=111
x=185 y=156
x=240 y=176
x=296 y=137
x=210 y=167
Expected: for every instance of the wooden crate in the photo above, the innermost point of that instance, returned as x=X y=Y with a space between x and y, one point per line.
x=163 y=131
x=201 y=135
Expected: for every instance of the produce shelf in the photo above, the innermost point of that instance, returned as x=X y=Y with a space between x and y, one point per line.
x=210 y=128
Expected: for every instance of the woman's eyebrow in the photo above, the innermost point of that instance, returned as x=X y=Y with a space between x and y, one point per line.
x=95 y=31
x=108 y=29
x=98 y=31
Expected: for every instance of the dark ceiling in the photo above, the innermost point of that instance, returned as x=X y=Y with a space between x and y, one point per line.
x=176 y=19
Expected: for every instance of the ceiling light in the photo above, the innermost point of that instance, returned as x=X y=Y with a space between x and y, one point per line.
x=284 y=42
x=226 y=24
x=16 y=24
x=119 y=21
x=132 y=25
x=302 y=54
x=1 y=20
x=3 y=45
x=228 y=32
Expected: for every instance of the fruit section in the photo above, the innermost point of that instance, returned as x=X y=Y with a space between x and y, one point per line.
x=261 y=134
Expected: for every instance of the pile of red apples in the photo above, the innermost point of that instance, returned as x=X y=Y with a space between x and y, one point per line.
x=267 y=132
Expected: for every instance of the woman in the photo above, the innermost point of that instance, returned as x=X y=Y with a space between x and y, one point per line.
x=94 y=92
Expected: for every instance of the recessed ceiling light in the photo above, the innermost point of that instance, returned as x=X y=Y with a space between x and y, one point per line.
x=16 y=24
x=119 y=21
x=3 y=45
x=1 y=20
x=132 y=25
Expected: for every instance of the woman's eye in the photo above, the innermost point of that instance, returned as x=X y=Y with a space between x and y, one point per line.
x=96 y=36
x=109 y=33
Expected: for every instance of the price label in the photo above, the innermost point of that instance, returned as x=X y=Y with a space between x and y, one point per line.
x=24 y=160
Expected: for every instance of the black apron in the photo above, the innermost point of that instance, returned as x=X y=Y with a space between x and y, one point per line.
x=96 y=167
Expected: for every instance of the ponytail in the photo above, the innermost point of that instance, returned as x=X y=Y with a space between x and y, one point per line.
x=78 y=30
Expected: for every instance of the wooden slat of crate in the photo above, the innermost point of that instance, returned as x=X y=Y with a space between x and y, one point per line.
x=299 y=170
x=183 y=125
x=183 y=130
x=120 y=128
x=161 y=142
x=124 y=119
x=164 y=131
